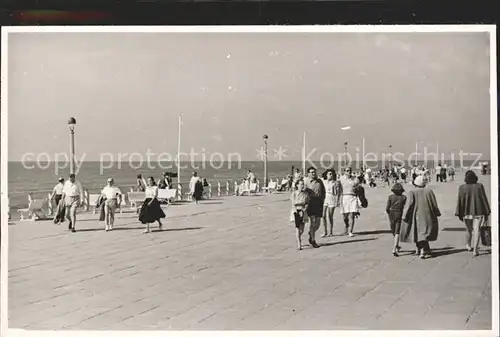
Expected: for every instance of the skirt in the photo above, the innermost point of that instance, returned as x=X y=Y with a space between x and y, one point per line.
x=330 y=200
x=350 y=204
x=151 y=212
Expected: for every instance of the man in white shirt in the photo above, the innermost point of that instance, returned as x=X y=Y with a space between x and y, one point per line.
x=73 y=197
x=113 y=198
x=192 y=187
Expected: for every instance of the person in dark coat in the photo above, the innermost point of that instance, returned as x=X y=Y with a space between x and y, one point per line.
x=394 y=209
x=420 y=219
x=473 y=209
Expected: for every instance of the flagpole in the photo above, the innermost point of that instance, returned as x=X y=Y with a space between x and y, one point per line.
x=304 y=154
x=416 y=153
x=363 y=150
x=179 y=152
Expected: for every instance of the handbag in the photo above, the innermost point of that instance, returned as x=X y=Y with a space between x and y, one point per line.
x=485 y=234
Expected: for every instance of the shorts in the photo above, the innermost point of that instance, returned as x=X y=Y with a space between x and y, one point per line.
x=112 y=204
x=299 y=218
x=403 y=176
x=395 y=222
x=315 y=207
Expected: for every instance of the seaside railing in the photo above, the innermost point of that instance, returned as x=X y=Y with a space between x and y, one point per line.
x=218 y=188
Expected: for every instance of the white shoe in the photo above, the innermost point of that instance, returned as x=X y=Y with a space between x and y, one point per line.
x=351 y=235
x=107 y=228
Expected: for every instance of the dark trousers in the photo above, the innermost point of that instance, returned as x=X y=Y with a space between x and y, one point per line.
x=424 y=245
x=57 y=198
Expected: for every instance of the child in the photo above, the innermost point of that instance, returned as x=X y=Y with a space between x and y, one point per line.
x=300 y=200
x=394 y=209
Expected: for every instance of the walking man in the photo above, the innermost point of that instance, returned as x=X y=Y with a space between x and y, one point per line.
x=316 y=191
x=73 y=197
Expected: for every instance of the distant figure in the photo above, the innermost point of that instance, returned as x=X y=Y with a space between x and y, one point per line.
x=473 y=209
x=420 y=219
x=349 y=204
x=451 y=173
x=438 y=174
x=394 y=209
x=333 y=190
x=297 y=175
x=316 y=191
x=151 y=210
x=113 y=197
x=402 y=171
x=205 y=182
x=73 y=196
x=163 y=181
x=444 y=171
x=300 y=200
x=196 y=188
x=251 y=177
x=141 y=183
x=57 y=191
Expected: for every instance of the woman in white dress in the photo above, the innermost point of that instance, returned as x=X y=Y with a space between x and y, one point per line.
x=349 y=204
x=332 y=199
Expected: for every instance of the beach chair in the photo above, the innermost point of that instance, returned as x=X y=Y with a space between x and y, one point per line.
x=35 y=209
x=207 y=192
x=271 y=187
x=249 y=189
x=170 y=195
x=136 y=199
x=93 y=198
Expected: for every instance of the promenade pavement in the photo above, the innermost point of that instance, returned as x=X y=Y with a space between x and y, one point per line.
x=232 y=263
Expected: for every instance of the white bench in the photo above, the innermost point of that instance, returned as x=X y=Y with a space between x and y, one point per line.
x=136 y=199
x=167 y=194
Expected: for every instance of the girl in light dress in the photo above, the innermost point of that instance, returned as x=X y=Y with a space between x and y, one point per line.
x=113 y=197
x=299 y=199
x=333 y=190
x=151 y=210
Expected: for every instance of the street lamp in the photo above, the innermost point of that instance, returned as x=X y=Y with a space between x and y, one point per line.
x=71 y=126
x=390 y=153
x=265 y=137
x=345 y=154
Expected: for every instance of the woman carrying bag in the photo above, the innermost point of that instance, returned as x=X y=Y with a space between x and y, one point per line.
x=474 y=210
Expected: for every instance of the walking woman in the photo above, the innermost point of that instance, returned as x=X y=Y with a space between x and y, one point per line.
x=333 y=190
x=420 y=219
x=151 y=210
x=473 y=209
x=299 y=199
x=349 y=204
x=113 y=197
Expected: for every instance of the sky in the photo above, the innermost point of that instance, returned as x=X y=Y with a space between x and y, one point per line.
x=126 y=91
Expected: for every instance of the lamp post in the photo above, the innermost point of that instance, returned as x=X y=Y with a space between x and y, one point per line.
x=71 y=126
x=390 y=160
x=265 y=137
x=345 y=154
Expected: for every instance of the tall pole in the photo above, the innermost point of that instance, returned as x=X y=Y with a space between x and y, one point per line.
x=345 y=154
x=390 y=160
x=71 y=126
x=72 y=149
x=179 y=152
x=265 y=160
x=363 y=150
x=304 y=154
x=416 y=153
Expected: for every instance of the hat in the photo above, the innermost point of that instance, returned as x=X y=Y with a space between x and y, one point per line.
x=420 y=181
x=397 y=188
x=61 y=179
x=110 y=179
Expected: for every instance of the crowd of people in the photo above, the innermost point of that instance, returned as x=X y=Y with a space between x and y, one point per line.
x=413 y=218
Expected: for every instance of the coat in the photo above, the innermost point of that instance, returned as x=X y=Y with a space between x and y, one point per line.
x=101 y=204
x=60 y=211
x=472 y=200
x=420 y=217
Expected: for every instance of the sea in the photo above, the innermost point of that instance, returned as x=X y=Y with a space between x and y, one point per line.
x=40 y=179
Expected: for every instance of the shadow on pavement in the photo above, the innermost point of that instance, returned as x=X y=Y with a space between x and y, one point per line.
x=177 y=229
x=438 y=252
x=211 y=203
x=453 y=229
x=380 y=231
x=347 y=241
